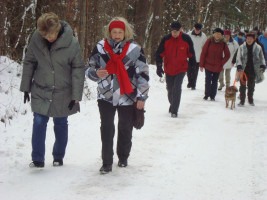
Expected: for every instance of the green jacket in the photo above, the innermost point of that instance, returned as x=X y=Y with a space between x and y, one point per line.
x=54 y=77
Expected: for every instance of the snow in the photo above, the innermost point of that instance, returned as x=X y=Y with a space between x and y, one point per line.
x=208 y=152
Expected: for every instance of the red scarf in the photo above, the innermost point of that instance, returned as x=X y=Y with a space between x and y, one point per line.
x=116 y=66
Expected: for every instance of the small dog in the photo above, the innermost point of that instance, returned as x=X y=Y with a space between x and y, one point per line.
x=230 y=95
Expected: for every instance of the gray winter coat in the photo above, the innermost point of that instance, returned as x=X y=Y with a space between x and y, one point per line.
x=54 y=77
x=258 y=59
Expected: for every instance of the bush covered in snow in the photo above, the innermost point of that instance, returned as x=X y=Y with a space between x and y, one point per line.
x=11 y=98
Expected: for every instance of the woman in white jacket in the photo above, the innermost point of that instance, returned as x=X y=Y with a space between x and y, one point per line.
x=233 y=46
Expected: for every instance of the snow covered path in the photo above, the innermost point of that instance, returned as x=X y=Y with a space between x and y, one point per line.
x=207 y=153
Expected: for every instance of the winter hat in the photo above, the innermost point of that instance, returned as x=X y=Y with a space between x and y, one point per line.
x=218 y=30
x=251 y=34
x=116 y=24
x=255 y=28
x=198 y=26
x=227 y=32
x=176 y=26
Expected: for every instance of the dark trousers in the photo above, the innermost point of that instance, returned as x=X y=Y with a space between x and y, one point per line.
x=251 y=87
x=125 y=128
x=39 y=135
x=174 y=88
x=192 y=73
x=211 y=83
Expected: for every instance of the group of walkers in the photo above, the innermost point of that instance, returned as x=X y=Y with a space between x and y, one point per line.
x=217 y=54
x=54 y=72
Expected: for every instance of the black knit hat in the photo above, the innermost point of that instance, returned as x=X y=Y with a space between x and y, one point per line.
x=176 y=26
x=198 y=26
x=218 y=30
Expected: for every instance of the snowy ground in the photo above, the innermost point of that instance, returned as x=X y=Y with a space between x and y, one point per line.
x=208 y=153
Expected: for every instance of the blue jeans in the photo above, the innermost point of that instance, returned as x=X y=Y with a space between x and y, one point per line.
x=39 y=135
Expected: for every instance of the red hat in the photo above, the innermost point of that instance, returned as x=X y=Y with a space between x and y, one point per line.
x=117 y=24
x=227 y=32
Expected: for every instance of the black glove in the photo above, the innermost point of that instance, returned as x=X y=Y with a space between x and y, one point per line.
x=71 y=104
x=160 y=71
x=139 y=117
x=26 y=97
x=239 y=68
x=262 y=68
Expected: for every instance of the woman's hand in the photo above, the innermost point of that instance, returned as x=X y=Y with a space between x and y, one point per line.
x=102 y=73
x=140 y=104
x=201 y=69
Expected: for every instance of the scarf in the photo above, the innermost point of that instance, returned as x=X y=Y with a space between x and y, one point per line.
x=116 y=66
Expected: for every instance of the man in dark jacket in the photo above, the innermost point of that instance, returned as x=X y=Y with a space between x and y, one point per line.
x=176 y=48
x=53 y=72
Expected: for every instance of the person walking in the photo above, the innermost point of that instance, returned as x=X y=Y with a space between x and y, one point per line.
x=199 y=38
x=53 y=73
x=233 y=46
x=263 y=40
x=175 y=48
x=250 y=60
x=214 y=55
x=119 y=67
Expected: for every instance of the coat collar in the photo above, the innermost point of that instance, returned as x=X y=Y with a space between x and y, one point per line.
x=62 y=42
x=200 y=34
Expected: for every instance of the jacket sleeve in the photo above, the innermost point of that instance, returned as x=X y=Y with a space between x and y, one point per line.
x=159 y=51
x=192 y=56
x=204 y=53
x=142 y=72
x=29 y=65
x=77 y=74
x=92 y=65
x=226 y=54
x=239 y=58
x=262 y=60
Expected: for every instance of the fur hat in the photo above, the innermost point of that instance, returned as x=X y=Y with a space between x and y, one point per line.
x=218 y=30
x=227 y=32
x=176 y=26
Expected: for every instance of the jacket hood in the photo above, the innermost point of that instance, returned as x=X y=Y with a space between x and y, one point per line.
x=212 y=39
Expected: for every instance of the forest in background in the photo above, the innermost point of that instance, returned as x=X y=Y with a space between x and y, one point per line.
x=151 y=19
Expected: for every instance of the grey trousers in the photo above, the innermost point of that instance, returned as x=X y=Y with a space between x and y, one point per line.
x=174 y=88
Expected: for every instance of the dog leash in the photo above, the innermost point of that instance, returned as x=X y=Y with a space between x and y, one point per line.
x=241 y=76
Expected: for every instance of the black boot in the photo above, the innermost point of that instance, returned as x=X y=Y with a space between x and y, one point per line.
x=105 y=169
x=122 y=163
x=57 y=162
x=36 y=164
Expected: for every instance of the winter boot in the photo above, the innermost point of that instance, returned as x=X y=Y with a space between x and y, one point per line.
x=221 y=86
x=57 y=162
x=122 y=163
x=105 y=169
x=174 y=115
x=36 y=164
x=241 y=104
x=188 y=85
x=205 y=98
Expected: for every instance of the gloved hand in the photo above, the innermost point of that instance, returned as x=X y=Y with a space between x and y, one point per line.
x=26 y=97
x=71 y=104
x=262 y=69
x=239 y=68
x=160 y=71
x=139 y=117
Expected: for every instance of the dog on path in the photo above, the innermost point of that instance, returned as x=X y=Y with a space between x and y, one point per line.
x=230 y=95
